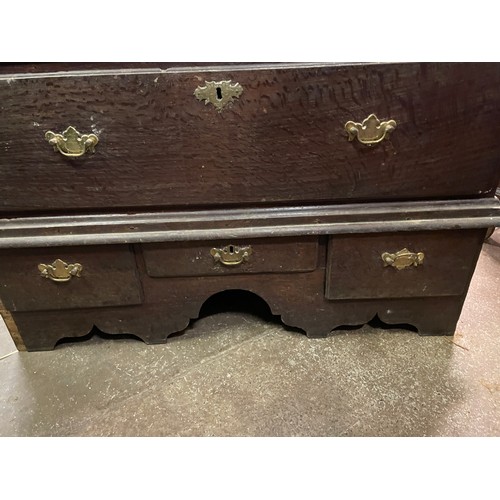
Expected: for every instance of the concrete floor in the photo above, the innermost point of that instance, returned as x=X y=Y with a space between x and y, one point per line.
x=237 y=374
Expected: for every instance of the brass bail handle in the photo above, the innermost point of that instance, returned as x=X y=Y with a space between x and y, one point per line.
x=371 y=130
x=231 y=255
x=72 y=143
x=403 y=259
x=59 y=271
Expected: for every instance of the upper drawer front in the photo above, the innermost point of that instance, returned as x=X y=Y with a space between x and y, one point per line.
x=34 y=279
x=413 y=264
x=267 y=255
x=283 y=140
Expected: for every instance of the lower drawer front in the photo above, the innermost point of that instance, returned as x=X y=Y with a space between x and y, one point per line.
x=429 y=263
x=267 y=255
x=44 y=279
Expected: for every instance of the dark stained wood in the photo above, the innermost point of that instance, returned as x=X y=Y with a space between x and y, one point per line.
x=171 y=178
x=282 y=142
x=298 y=298
x=170 y=304
x=108 y=279
x=46 y=67
x=246 y=223
x=269 y=255
x=356 y=269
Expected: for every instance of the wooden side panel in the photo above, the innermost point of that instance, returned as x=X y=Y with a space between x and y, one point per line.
x=12 y=328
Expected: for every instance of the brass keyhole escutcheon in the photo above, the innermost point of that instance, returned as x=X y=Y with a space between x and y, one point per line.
x=231 y=255
x=219 y=94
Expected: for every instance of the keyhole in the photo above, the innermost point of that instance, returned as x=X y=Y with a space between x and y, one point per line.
x=231 y=249
x=219 y=93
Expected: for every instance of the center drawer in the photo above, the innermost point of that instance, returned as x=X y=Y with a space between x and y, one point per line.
x=267 y=255
x=157 y=142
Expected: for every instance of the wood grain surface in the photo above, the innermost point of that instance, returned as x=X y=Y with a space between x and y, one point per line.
x=269 y=255
x=356 y=269
x=169 y=170
x=205 y=225
x=282 y=142
x=109 y=278
x=298 y=298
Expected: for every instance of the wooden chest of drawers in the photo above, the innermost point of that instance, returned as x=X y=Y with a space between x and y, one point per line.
x=334 y=192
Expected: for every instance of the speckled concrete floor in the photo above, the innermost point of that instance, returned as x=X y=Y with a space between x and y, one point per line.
x=237 y=374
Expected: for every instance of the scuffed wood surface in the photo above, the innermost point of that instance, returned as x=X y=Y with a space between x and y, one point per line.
x=298 y=298
x=12 y=328
x=282 y=142
x=268 y=255
x=108 y=278
x=356 y=270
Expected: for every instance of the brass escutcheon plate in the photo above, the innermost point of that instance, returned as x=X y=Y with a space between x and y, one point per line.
x=231 y=255
x=219 y=94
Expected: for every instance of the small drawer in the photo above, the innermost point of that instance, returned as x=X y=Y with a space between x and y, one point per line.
x=68 y=278
x=269 y=255
x=409 y=264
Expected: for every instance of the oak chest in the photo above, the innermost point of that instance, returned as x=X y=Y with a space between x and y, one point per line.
x=336 y=192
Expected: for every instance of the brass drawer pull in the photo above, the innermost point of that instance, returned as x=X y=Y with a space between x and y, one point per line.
x=220 y=94
x=403 y=259
x=71 y=143
x=59 y=271
x=371 y=131
x=231 y=255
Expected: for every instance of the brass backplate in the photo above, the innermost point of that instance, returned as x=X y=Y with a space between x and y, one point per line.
x=71 y=142
x=59 y=271
x=370 y=131
x=231 y=255
x=403 y=259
